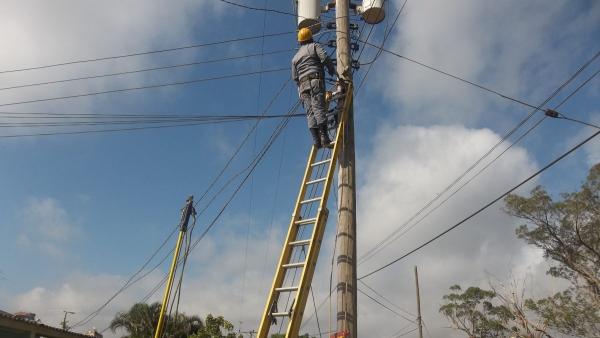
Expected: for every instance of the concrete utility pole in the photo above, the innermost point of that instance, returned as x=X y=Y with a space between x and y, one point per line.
x=64 y=322
x=346 y=258
x=419 y=321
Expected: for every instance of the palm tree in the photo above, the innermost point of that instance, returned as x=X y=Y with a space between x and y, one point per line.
x=140 y=322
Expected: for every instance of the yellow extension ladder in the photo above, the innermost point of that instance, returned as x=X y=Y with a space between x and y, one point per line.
x=288 y=296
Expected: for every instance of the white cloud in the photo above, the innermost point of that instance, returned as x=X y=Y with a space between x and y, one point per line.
x=42 y=33
x=410 y=166
x=501 y=45
x=46 y=226
x=80 y=293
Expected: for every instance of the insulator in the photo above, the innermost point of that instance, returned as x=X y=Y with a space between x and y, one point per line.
x=353 y=26
x=354 y=46
x=332 y=43
x=355 y=64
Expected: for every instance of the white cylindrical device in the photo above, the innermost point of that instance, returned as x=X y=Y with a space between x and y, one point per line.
x=309 y=15
x=372 y=11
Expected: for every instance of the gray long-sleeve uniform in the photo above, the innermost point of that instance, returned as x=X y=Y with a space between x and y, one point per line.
x=307 y=71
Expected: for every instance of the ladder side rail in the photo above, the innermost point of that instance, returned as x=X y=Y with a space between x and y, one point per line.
x=318 y=232
x=265 y=323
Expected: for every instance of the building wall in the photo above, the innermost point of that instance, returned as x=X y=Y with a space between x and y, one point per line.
x=7 y=333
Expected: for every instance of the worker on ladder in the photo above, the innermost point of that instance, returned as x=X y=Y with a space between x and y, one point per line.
x=308 y=71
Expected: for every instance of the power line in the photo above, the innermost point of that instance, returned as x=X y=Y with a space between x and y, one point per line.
x=249 y=170
x=521 y=102
x=379 y=52
x=198 y=45
x=128 y=122
x=179 y=83
x=549 y=165
x=213 y=182
x=386 y=299
x=264 y=9
x=188 y=64
x=80 y=132
x=86 y=319
x=384 y=306
x=392 y=237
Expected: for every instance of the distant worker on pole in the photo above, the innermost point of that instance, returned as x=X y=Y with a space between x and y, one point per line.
x=308 y=71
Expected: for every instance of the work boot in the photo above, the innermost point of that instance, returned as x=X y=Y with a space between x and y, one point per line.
x=325 y=141
x=316 y=138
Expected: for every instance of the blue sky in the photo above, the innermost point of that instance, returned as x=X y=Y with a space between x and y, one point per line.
x=79 y=214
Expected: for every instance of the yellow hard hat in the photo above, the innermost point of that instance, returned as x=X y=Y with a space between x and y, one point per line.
x=304 y=34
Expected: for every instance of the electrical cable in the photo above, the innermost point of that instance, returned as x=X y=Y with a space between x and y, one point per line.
x=521 y=102
x=316 y=314
x=198 y=45
x=83 y=321
x=161 y=85
x=250 y=222
x=250 y=168
x=392 y=237
x=129 y=122
x=407 y=332
x=213 y=182
x=478 y=211
x=265 y=9
x=384 y=306
x=142 y=70
x=102 y=130
x=535 y=125
x=386 y=35
x=395 y=334
x=386 y=299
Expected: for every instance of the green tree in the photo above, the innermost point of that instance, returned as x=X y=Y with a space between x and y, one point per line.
x=141 y=319
x=473 y=312
x=215 y=327
x=568 y=232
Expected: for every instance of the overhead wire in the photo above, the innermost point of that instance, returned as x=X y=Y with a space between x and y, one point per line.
x=210 y=186
x=511 y=145
x=389 y=239
x=471 y=83
x=250 y=222
x=105 y=58
x=160 y=85
x=384 y=306
x=400 y=331
x=249 y=169
x=84 y=320
x=385 y=37
x=487 y=205
x=386 y=299
x=150 y=69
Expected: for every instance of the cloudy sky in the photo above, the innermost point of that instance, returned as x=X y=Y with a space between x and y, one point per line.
x=79 y=214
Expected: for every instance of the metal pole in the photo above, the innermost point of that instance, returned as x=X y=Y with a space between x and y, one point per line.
x=185 y=218
x=419 y=321
x=346 y=258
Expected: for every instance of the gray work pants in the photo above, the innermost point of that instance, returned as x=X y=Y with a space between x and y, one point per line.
x=312 y=94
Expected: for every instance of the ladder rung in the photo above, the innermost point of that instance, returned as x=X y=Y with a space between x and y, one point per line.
x=317 y=181
x=287 y=289
x=280 y=314
x=293 y=265
x=306 y=221
x=299 y=243
x=311 y=200
x=320 y=162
